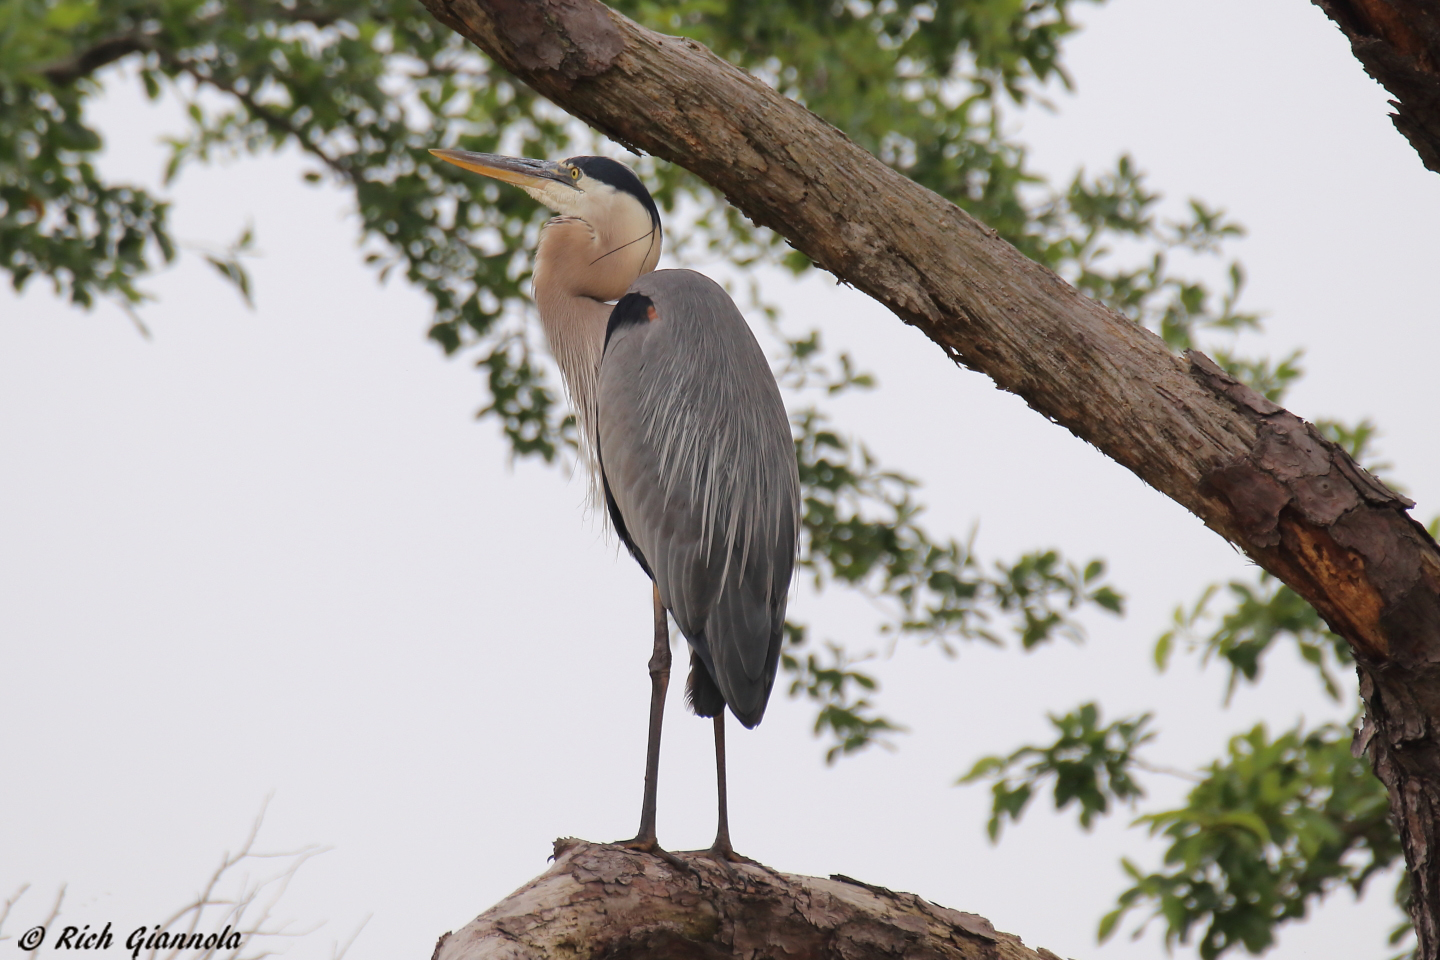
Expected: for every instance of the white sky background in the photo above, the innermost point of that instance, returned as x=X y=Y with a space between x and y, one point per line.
x=272 y=552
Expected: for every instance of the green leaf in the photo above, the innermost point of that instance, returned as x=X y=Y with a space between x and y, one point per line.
x=1090 y=765
x=1108 y=924
x=1263 y=612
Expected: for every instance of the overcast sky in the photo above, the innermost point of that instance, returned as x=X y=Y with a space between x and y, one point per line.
x=273 y=553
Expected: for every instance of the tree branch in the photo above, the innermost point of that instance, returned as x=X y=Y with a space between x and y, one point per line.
x=1255 y=473
x=275 y=121
x=104 y=52
x=92 y=58
x=602 y=900
x=1398 y=43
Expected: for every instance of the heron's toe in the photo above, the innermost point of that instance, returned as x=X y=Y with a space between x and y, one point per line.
x=652 y=846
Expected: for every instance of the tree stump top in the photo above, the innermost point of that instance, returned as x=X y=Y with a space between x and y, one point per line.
x=600 y=900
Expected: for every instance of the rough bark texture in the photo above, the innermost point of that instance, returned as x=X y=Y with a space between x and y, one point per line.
x=1256 y=474
x=604 y=901
x=1398 y=42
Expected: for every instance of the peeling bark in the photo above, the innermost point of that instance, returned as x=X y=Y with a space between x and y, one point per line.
x=1398 y=43
x=1253 y=472
x=600 y=900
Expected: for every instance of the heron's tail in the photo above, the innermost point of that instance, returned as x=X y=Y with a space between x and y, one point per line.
x=702 y=696
x=728 y=683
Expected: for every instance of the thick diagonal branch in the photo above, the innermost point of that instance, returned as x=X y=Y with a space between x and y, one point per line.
x=1255 y=473
x=1398 y=43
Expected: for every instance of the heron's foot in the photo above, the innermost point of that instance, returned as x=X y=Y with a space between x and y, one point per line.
x=641 y=843
x=722 y=852
x=652 y=846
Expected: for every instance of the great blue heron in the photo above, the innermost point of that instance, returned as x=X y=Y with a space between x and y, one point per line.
x=682 y=422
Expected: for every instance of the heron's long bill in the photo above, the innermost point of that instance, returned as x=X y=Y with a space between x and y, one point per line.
x=521 y=172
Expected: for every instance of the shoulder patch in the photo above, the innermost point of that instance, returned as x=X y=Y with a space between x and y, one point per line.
x=633 y=308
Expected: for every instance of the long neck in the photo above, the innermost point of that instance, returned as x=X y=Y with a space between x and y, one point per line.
x=577 y=270
x=575 y=328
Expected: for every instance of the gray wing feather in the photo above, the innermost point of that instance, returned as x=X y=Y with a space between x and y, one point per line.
x=697 y=454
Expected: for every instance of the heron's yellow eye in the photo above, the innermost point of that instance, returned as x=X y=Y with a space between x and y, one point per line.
x=574 y=173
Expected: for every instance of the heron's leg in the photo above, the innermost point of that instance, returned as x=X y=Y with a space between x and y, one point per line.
x=659 y=681
x=721 y=849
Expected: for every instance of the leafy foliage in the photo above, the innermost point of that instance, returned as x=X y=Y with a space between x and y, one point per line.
x=58 y=218
x=1090 y=764
x=1262 y=612
x=862 y=530
x=844 y=713
x=1273 y=827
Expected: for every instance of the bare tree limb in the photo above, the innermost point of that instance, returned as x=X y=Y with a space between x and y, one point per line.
x=1398 y=43
x=1255 y=473
x=600 y=900
x=194 y=932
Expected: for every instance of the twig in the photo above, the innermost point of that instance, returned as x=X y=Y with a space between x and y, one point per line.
x=271 y=119
x=5 y=909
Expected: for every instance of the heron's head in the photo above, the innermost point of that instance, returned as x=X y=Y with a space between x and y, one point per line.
x=621 y=239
